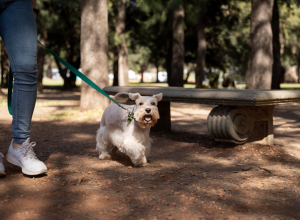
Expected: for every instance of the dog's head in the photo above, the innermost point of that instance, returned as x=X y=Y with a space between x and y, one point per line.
x=146 y=111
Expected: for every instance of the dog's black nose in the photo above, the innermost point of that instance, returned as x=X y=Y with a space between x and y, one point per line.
x=148 y=110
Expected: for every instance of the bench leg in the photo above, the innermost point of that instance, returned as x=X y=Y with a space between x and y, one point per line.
x=242 y=124
x=164 y=123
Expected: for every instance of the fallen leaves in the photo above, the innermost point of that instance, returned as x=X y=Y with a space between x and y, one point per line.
x=247 y=168
x=82 y=179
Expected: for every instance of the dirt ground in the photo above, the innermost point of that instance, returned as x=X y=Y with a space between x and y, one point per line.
x=189 y=176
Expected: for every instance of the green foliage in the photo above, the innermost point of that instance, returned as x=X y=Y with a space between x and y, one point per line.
x=213 y=80
x=138 y=58
x=147 y=23
x=227 y=27
x=290 y=35
x=225 y=23
x=61 y=19
x=149 y=31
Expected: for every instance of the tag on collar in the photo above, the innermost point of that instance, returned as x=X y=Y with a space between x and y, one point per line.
x=130 y=116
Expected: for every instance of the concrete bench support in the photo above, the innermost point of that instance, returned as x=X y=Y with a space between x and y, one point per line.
x=241 y=124
x=240 y=116
x=164 y=123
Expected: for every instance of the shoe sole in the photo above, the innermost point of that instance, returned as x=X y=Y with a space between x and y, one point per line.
x=13 y=161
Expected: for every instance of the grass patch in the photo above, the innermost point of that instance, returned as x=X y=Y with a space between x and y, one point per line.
x=74 y=114
x=51 y=82
x=285 y=86
x=3 y=103
x=160 y=85
x=291 y=86
x=149 y=84
x=191 y=86
x=49 y=103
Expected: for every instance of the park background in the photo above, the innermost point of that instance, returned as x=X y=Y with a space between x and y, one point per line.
x=190 y=176
x=202 y=44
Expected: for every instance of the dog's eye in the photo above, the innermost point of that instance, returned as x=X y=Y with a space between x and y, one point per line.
x=141 y=103
x=152 y=103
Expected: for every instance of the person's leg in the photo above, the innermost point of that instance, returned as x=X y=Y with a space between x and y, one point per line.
x=18 y=31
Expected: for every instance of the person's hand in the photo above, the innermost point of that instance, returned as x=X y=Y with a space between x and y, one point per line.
x=36 y=12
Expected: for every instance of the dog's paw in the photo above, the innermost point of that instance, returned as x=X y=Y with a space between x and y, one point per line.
x=104 y=156
x=143 y=165
x=142 y=162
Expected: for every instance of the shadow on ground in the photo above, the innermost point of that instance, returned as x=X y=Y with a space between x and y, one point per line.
x=188 y=178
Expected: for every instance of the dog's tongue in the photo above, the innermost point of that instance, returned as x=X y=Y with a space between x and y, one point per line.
x=148 y=118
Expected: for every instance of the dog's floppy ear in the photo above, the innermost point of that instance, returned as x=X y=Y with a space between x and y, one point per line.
x=134 y=96
x=158 y=96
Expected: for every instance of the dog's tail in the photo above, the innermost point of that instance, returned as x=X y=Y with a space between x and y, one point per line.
x=123 y=94
x=123 y=98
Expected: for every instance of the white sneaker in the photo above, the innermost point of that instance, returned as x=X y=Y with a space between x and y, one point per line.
x=25 y=158
x=2 y=169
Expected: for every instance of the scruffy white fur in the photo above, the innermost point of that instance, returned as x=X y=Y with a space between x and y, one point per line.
x=130 y=138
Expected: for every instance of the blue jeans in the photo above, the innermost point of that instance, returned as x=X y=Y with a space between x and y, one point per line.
x=18 y=31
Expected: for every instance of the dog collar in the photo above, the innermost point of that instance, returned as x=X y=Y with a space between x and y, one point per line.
x=130 y=116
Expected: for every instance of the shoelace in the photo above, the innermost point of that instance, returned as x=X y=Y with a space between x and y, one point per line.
x=27 y=150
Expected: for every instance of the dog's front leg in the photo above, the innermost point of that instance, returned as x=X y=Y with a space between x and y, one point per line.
x=136 y=151
x=148 y=143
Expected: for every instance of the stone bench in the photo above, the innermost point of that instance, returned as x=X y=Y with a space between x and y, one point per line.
x=241 y=115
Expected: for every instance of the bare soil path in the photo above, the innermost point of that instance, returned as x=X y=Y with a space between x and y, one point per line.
x=189 y=175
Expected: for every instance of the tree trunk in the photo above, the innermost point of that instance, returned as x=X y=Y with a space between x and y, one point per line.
x=283 y=42
x=142 y=77
x=178 y=48
x=4 y=66
x=157 y=71
x=41 y=53
x=69 y=81
x=116 y=66
x=201 y=51
x=94 y=52
x=63 y=74
x=259 y=74
x=190 y=69
x=276 y=69
x=298 y=76
x=49 y=69
x=143 y=68
x=122 y=46
x=168 y=63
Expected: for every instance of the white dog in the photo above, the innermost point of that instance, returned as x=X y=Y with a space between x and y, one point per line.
x=131 y=138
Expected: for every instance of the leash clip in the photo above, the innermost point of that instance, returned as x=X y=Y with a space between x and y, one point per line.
x=130 y=116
